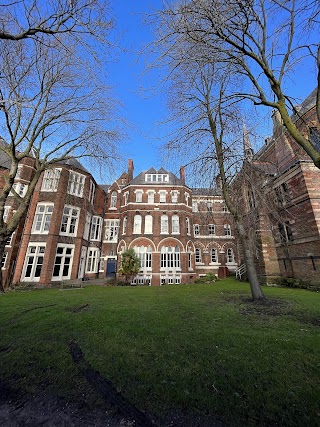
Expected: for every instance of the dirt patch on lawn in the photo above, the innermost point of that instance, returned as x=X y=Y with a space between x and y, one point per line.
x=18 y=409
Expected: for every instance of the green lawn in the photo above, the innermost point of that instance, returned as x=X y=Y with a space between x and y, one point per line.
x=204 y=348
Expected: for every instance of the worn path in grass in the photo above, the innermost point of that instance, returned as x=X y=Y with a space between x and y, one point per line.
x=178 y=355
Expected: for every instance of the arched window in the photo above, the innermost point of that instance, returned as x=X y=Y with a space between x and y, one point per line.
x=137 y=224
x=214 y=255
x=113 y=202
x=227 y=230
x=164 y=224
x=148 y=222
x=170 y=257
x=230 y=255
x=144 y=254
x=175 y=224
x=124 y=225
x=188 y=225
x=198 y=255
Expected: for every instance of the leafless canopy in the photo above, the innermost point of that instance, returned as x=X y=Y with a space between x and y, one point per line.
x=22 y=19
x=262 y=40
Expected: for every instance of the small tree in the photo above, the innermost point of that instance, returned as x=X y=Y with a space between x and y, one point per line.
x=130 y=265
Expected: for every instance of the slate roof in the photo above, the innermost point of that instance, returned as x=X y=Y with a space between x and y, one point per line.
x=74 y=163
x=140 y=179
x=215 y=191
x=5 y=161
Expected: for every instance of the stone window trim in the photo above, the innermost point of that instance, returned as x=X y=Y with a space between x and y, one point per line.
x=93 y=259
x=50 y=180
x=230 y=256
x=69 y=221
x=139 y=195
x=87 y=226
x=42 y=218
x=96 y=228
x=33 y=262
x=111 y=230
x=63 y=262
x=76 y=184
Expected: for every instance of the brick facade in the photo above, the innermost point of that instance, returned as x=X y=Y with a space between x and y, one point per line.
x=77 y=229
x=289 y=232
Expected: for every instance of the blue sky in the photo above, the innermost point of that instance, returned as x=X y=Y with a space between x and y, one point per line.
x=144 y=110
x=141 y=107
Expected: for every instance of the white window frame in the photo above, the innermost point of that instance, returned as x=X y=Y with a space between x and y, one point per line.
x=144 y=253
x=124 y=225
x=87 y=226
x=20 y=188
x=42 y=218
x=112 y=230
x=92 y=191
x=148 y=224
x=6 y=212
x=175 y=223
x=82 y=262
x=212 y=229
x=50 y=180
x=195 y=206
x=230 y=256
x=137 y=224
x=196 y=229
x=198 y=256
x=170 y=258
x=72 y=221
x=227 y=230
x=64 y=256
x=139 y=196
x=162 y=196
x=214 y=255
x=126 y=197
x=174 y=196
x=150 y=197
x=164 y=224
x=39 y=251
x=96 y=228
x=188 y=225
x=4 y=260
x=76 y=184
x=113 y=200
x=93 y=259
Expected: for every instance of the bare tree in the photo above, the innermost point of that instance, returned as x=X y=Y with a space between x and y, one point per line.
x=263 y=40
x=208 y=130
x=21 y=19
x=53 y=109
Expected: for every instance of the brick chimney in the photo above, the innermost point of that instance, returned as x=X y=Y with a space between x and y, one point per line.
x=182 y=175
x=130 y=170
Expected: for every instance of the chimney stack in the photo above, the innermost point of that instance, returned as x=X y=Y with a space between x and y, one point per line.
x=130 y=170
x=182 y=175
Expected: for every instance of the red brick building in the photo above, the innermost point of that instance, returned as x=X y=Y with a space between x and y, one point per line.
x=77 y=229
x=288 y=232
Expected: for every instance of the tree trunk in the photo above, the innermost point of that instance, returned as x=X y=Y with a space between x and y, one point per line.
x=2 y=247
x=256 y=290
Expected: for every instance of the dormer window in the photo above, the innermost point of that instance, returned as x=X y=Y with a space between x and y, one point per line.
x=156 y=177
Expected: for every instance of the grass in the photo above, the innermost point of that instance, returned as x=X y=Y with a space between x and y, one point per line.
x=204 y=348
